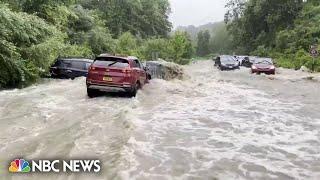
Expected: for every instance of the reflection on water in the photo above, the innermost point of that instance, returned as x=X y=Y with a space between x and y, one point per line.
x=214 y=125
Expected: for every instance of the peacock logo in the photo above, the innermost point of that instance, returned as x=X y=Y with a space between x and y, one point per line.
x=19 y=165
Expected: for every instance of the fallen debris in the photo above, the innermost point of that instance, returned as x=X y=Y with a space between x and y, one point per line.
x=165 y=70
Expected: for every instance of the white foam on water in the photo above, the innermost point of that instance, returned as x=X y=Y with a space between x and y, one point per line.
x=208 y=128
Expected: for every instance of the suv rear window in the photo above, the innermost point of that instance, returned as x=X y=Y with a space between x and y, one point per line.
x=111 y=62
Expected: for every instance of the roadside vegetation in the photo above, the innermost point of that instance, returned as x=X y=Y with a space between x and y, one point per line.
x=35 y=32
x=283 y=30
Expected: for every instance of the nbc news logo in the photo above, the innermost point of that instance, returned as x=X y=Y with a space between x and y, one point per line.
x=56 y=166
x=19 y=165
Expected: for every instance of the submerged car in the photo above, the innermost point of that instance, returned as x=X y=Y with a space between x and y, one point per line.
x=241 y=59
x=116 y=74
x=263 y=65
x=154 y=69
x=226 y=62
x=248 y=61
x=70 y=68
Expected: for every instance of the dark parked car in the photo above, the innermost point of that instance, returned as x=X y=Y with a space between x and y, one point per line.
x=263 y=65
x=116 y=74
x=226 y=62
x=70 y=68
x=248 y=61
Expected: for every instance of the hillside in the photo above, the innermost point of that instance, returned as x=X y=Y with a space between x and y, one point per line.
x=194 y=30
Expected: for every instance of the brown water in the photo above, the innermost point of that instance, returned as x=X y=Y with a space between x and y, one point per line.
x=213 y=125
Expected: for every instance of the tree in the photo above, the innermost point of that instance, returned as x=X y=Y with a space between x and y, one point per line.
x=143 y=18
x=235 y=10
x=28 y=46
x=156 y=45
x=180 y=47
x=258 y=22
x=203 y=44
x=221 y=41
x=127 y=45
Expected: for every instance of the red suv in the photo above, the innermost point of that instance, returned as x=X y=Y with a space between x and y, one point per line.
x=115 y=74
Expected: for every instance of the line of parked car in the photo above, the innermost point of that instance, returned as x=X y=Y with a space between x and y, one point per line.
x=257 y=64
x=107 y=73
x=110 y=73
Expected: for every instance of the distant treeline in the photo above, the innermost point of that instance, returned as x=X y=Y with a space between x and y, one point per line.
x=35 y=32
x=209 y=39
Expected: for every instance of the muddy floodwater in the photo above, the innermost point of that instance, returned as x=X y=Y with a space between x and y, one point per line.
x=212 y=125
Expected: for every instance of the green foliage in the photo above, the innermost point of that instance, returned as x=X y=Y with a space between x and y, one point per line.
x=28 y=45
x=59 y=16
x=260 y=21
x=35 y=32
x=155 y=45
x=127 y=44
x=203 y=43
x=221 y=41
x=283 y=30
x=296 y=60
x=143 y=18
x=305 y=33
x=180 y=48
x=100 y=40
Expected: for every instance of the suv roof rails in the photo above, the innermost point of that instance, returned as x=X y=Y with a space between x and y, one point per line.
x=73 y=57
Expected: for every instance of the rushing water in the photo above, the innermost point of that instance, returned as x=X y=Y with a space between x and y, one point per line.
x=213 y=125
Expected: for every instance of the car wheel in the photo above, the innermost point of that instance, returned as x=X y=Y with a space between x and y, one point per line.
x=92 y=92
x=134 y=90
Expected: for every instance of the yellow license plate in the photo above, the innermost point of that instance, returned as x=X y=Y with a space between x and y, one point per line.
x=107 y=79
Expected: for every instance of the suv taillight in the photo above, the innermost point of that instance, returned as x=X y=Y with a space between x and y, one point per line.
x=91 y=68
x=127 y=72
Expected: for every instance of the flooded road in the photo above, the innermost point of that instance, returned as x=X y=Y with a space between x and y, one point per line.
x=213 y=125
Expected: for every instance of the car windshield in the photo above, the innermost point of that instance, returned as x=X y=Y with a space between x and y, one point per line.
x=111 y=62
x=228 y=59
x=264 y=61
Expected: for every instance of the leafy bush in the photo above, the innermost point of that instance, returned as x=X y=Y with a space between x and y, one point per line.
x=127 y=44
x=155 y=46
x=180 y=48
x=28 y=46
